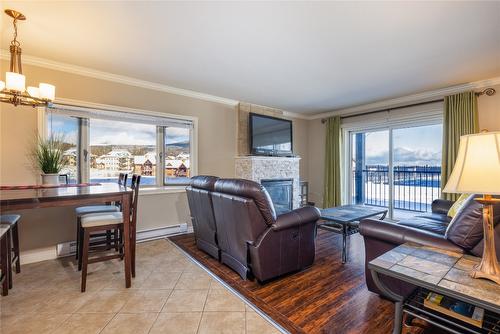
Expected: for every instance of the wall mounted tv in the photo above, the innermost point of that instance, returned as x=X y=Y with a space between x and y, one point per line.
x=270 y=135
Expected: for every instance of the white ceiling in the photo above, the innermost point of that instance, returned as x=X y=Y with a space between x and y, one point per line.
x=305 y=57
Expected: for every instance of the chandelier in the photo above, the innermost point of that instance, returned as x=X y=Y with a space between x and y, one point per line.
x=14 y=90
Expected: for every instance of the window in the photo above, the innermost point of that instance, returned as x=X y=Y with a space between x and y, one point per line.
x=101 y=144
x=121 y=147
x=177 y=155
x=68 y=129
x=394 y=159
x=398 y=168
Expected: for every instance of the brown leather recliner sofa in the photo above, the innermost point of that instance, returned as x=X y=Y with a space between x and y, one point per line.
x=436 y=229
x=202 y=213
x=252 y=239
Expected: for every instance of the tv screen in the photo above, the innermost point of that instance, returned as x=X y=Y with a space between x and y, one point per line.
x=270 y=135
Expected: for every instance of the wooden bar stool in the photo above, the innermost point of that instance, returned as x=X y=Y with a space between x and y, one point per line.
x=106 y=221
x=5 y=265
x=12 y=242
x=89 y=209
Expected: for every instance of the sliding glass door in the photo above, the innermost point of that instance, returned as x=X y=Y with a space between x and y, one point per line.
x=396 y=167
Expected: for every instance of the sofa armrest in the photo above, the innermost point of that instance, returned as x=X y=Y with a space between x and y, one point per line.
x=441 y=206
x=399 y=234
x=296 y=218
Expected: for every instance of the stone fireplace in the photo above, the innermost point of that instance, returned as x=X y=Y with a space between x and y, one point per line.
x=268 y=169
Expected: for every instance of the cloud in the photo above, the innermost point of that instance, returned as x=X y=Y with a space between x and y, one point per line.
x=177 y=135
x=104 y=132
x=406 y=157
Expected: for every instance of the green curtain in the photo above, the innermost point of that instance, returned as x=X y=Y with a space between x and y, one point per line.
x=460 y=118
x=332 y=191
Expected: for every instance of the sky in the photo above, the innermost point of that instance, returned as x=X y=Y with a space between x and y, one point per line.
x=106 y=132
x=412 y=146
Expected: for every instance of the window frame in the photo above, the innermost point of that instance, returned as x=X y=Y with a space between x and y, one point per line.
x=389 y=121
x=73 y=107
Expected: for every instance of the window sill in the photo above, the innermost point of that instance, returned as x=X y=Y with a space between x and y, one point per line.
x=162 y=190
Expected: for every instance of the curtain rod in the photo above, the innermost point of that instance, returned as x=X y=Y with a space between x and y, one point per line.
x=487 y=91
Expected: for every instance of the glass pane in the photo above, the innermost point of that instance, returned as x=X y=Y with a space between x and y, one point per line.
x=68 y=128
x=122 y=147
x=417 y=169
x=177 y=155
x=370 y=166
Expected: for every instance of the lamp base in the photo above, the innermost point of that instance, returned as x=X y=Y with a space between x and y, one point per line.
x=489 y=267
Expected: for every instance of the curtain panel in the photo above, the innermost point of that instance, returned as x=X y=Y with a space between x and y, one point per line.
x=332 y=187
x=460 y=118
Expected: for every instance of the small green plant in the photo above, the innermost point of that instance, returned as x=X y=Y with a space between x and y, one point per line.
x=48 y=154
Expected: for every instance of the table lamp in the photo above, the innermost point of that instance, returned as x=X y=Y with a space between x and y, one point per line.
x=477 y=171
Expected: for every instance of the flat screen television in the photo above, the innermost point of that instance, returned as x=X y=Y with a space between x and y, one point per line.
x=270 y=135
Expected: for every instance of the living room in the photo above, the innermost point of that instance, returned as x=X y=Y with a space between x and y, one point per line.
x=366 y=103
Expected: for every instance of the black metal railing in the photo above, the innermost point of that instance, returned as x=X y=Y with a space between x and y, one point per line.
x=415 y=187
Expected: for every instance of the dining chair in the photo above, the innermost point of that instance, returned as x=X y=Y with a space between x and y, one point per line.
x=5 y=266
x=12 y=242
x=83 y=210
x=104 y=221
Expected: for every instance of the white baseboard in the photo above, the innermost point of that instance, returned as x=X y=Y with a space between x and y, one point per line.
x=68 y=248
x=38 y=254
x=162 y=232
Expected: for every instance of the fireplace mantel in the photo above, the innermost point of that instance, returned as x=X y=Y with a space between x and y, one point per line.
x=257 y=168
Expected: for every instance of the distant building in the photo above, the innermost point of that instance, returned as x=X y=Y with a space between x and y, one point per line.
x=70 y=157
x=177 y=168
x=118 y=160
x=145 y=164
x=182 y=156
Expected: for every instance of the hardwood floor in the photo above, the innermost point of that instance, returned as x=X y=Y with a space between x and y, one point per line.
x=329 y=297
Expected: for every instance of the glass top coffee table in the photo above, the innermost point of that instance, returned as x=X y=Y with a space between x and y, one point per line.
x=345 y=220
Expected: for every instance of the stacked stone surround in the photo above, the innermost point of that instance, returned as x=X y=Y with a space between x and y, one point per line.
x=257 y=168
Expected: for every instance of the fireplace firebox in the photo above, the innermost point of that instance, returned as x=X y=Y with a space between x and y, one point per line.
x=281 y=192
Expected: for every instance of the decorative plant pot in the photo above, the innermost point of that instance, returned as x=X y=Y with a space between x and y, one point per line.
x=51 y=179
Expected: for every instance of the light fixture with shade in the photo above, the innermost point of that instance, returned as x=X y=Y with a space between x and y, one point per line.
x=14 y=90
x=477 y=171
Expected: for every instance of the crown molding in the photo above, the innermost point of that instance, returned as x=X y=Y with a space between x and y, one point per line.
x=96 y=74
x=409 y=99
x=121 y=79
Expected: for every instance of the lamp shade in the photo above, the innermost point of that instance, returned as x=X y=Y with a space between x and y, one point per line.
x=477 y=168
x=47 y=91
x=15 y=81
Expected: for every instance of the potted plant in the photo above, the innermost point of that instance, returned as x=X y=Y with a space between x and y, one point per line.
x=48 y=157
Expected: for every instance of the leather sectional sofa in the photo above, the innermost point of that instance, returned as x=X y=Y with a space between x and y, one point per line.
x=234 y=221
x=435 y=229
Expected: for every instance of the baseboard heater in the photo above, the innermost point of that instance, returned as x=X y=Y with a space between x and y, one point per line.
x=69 y=248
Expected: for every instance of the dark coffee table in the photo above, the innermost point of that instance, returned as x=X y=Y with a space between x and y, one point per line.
x=345 y=220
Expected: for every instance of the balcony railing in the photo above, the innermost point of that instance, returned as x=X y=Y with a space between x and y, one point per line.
x=415 y=187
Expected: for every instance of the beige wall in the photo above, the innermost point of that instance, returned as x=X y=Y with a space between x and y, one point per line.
x=217 y=146
x=489 y=118
x=489 y=111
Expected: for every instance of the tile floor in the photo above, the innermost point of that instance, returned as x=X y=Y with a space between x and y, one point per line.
x=170 y=294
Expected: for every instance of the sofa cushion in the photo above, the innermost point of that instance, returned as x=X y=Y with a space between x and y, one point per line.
x=249 y=189
x=426 y=223
x=436 y=216
x=466 y=228
x=205 y=182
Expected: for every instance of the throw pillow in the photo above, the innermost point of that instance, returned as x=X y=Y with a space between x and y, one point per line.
x=466 y=228
x=457 y=205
